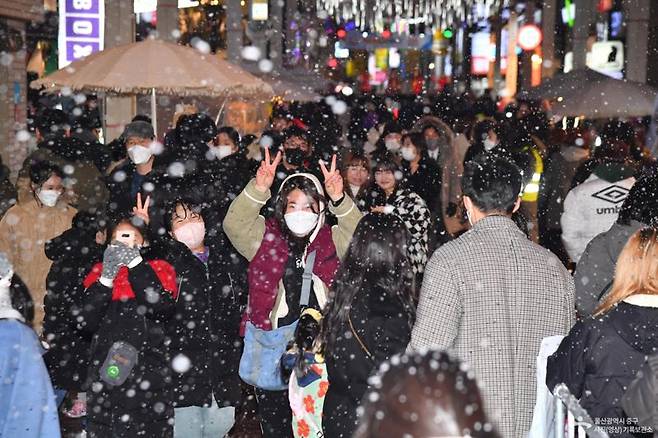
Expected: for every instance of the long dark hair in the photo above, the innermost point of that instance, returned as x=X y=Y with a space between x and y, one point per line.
x=376 y=259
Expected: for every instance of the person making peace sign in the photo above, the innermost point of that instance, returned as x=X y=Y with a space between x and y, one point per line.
x=277 y=248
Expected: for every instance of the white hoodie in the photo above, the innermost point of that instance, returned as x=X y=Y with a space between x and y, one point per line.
x=589 y=210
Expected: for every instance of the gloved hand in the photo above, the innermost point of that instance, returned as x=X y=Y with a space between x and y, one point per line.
x=116 y=255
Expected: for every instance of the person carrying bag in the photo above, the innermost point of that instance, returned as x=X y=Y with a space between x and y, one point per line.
x=280 y=251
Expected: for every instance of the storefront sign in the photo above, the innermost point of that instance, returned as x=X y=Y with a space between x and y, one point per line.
x=81 y=29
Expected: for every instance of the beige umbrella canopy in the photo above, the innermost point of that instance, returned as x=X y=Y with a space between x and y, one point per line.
x=169 y=68
x=594 y=95
x=155 y=66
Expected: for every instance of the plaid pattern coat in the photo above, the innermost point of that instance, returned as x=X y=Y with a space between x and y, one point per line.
x=490 y=297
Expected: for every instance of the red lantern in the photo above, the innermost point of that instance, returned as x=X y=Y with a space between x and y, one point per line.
x=530 y=37
x=341 y=33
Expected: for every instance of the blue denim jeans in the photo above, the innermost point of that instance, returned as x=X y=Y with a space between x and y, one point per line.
x=198 y=422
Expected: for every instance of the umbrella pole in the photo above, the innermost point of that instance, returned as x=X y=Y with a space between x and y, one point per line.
x=154 y=113
x=221 y=109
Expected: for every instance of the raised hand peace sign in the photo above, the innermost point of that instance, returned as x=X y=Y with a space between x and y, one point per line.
x=333 y=180
x=267 y=171
x=142 y=210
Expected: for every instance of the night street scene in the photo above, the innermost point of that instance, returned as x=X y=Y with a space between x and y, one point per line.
x=328 y=218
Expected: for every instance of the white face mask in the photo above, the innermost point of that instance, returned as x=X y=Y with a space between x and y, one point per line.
x=301 y=222
x=392 y=145
x=408 y=154
x=139 y=154
x=48 y=197
x=192 y=234
x=489 y=144
x=221 y=151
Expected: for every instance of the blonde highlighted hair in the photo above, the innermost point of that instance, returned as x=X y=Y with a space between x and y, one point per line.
x=636 y=271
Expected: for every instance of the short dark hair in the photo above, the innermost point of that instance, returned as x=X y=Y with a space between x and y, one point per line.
x=42 y=170
x=188 y=204
x=232 y=133
x=51 y=121
x=295 y=131
x=641 y=204
x=417 y=139
x=196 y=127
x=385 y=161
x=492 y=183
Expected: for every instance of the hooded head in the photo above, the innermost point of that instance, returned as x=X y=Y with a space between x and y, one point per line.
x=300 y=206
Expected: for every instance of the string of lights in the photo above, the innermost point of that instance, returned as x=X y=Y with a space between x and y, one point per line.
x=398 y=15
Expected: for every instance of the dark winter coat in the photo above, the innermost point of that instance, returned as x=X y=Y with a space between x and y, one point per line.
x=640 y=398
x=123 y=191
x=205 y=325
x=135 y=310
x=426 y=183
x=596 y=267
x=559 y=170
x=601 y=356
x=73 y=253
x=232 y=174
x=385 y=331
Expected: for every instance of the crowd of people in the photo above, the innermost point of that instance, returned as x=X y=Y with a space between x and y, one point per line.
x=393 y=278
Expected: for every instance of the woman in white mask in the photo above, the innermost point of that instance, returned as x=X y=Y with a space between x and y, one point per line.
x=27 y=226
x=226 y=143
x=277 y=250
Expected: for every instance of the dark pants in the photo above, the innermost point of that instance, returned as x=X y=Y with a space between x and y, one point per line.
x=275 y=413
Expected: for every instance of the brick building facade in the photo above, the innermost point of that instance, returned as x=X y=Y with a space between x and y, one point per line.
x=14 y=15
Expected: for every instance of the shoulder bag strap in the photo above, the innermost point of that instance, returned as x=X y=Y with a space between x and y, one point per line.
x=358 y=339
x=307 y=280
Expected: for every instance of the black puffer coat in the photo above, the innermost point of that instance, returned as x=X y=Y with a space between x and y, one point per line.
x=136 y=311
x=601 y=356
x=206 y=322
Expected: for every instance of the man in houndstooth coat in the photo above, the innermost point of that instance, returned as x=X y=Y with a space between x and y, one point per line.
x=492 y=295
